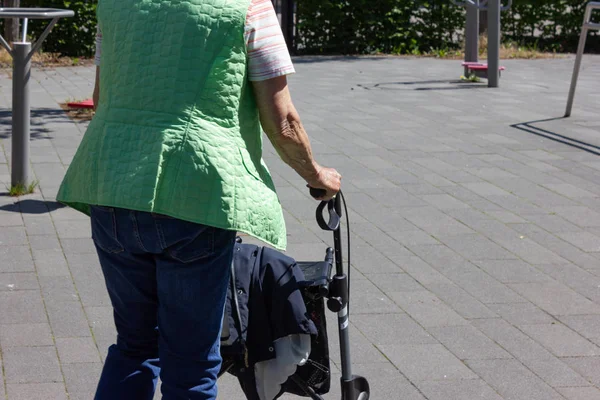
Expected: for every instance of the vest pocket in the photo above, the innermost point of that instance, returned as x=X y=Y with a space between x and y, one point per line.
x=104 y=229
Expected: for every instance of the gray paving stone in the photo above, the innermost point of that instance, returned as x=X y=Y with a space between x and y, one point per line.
x=13 y=219
x=486 y=289
x=443 y=201
x=522 y=313
x=82 y=378
x=553 y=223
x=581 y=216
x=587 y=326
x=588 y=367
x=426 y=362
x=58 y=289
x=571 y=275
x=38 y=225
x=396 y=146
x=389 y=283
x=16 y=259
x=468 y=343
x=427 y=309
x=31 y=365
x=414 y=237
x=506 y=217
x=388 y=329
x=512 y=380
x=360 y=347
x=468 y=389
x=22 y=306
x=37 y=391
x=73 y=229
x=584 y=240
x=12 y=236
x=555 y=372
x=367 y=299
x=435 y=222
x=78 y=246
x=68 y=319
x=51 y=263
x=556 y=298
x=561 y=340
x=485 y=189
x=10 y=281
x=77 y=350
x=421 y=271
x=387 y=382
x=22 y=335
x=44 y=242
x=476 y=247
x=462 y=302
x=512 y=340
x=512 y=271
x=580 y=393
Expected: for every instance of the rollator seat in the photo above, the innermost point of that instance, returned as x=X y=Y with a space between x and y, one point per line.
x=316 y=275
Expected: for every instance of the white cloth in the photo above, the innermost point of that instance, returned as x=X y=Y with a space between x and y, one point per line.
x=291 y=351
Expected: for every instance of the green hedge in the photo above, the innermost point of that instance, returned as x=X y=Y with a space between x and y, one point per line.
x=368 y=26
x=71 y=36
x=408 y=26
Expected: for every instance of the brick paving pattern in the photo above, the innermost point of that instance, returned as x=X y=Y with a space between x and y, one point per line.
x=475 y=229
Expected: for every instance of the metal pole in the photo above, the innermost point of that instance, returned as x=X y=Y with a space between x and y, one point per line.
x=577 y=68
x=472 y=35
x=493 y=43
x=343 y=317
x=287 y=22
x=21 y=114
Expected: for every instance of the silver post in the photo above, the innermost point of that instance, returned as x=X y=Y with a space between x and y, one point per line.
x=493 y=43
x=472 y=34
x=577 y=68
x=21 y=114
x=25 y=26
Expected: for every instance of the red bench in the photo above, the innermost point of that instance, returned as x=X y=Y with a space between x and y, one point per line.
x=83 y=104
x=479 y=69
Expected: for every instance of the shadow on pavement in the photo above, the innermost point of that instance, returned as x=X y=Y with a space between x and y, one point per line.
x=31 y=206
x=545 y=133
x=452 y=84
x=320 y=59
x=39 y=117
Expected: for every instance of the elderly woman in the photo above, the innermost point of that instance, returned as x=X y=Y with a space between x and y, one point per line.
x=171 y=168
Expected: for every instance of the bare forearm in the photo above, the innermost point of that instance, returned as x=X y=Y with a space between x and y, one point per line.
x=293 y=146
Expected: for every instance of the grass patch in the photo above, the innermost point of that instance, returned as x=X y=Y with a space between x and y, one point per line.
x=41 y=59
x=21 y=189
x=471 y=78
x=508 y=50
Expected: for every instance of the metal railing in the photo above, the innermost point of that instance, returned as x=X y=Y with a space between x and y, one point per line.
x=286 y=11
x=21 y=53
x=587 y=26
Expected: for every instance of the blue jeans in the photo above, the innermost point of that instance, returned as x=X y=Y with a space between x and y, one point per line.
x=167 y=280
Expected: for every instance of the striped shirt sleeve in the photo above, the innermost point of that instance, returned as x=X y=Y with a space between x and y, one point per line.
x=268 y=56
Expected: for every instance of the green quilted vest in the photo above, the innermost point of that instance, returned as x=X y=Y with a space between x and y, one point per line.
x=177 y=130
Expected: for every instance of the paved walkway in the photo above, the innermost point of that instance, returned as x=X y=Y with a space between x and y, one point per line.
x=475 y=220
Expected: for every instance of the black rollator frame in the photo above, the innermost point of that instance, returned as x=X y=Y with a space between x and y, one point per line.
x=354 y=387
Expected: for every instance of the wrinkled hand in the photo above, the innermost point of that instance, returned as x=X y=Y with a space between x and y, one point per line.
x=329 y=180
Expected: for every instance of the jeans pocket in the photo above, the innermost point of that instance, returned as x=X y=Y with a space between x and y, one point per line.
x=191 y=242
x=104 y=229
